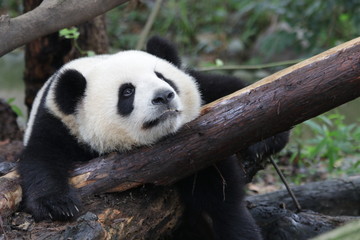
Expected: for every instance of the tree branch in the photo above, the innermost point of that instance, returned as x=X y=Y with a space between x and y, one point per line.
x=50 y=16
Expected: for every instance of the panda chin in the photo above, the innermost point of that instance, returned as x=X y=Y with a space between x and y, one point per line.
x=165 y=116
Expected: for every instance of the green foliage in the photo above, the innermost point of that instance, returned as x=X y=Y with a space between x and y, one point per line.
x=73 y=33
x=15 y=108
x=69 y=33
x=333 y=142
x=303 y=26
x=268 y=29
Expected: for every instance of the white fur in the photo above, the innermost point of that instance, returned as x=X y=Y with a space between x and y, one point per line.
x=97 y=121
x=34 y=112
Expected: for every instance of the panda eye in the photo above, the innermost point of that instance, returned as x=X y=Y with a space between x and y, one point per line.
x=127 y=92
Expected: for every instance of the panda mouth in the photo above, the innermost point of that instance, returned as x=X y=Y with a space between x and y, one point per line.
x=169 y=113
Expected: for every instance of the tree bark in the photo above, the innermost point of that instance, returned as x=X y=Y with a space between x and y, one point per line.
x=47 y=54
x=277 y=223
x=342 y=197
x=142 y=213
x=154 y=212
x=348 y=232
x=49 y=17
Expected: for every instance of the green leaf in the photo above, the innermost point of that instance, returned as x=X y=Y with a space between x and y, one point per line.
x=90 y=53
x=344 y=17
x=17 y=110
x=69 y=33
x=10 y=101
x=313 y=125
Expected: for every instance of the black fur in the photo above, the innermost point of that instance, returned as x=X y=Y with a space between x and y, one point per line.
x=215 y=86
x=168 y=81
x=163 y=49
x=69 y=89
x=44 y=168
x=126 y=99
x=216 y=192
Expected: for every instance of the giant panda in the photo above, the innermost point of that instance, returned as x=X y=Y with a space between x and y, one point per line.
x=95 y=105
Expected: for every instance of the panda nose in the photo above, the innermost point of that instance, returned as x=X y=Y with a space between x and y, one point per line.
x=163 y=97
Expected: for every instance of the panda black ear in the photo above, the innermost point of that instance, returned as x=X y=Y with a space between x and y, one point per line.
x=164 y=49
x=69 y=89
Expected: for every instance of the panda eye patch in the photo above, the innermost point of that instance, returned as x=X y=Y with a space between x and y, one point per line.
x=126 y=99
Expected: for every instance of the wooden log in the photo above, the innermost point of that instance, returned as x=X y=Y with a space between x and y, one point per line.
x=342 y=197
x=127 y=215
x=142 y=213
x=278 y=224
x=154 y=212
x=348 y=232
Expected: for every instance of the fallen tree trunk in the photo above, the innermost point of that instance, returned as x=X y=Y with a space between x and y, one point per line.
x=142 y=213
x=44 y=20
x=348 y=232
x=281 y=224
x=153 y=213
x=342 y=197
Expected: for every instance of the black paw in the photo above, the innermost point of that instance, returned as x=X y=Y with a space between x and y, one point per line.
x=61 y=207
x=265 y=148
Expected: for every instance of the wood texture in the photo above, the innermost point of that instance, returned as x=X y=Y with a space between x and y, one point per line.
x=342 y=197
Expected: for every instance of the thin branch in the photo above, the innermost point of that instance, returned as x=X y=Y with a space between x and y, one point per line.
x=283 y=179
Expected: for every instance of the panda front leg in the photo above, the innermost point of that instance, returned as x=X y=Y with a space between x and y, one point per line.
x=265 y=148
x=47 y=194
x=215 y=196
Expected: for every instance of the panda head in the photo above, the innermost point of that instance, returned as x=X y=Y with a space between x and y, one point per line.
x=132 y=98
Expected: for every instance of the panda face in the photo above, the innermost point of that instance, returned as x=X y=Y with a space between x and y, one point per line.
x=131 y=98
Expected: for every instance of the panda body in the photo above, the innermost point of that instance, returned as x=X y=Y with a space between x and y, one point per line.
x=105 y=103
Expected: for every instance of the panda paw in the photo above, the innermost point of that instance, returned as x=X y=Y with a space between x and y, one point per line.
x=60 y=207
